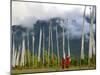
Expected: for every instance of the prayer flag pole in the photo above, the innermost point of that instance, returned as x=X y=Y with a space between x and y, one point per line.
x=82 y=42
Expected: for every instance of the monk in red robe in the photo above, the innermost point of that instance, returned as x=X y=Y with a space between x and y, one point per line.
x=63 y=62
x=67 y=62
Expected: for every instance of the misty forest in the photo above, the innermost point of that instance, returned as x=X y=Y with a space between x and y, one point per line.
x=52 y=37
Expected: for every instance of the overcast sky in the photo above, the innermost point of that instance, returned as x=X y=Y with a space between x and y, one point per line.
x=23 y=10
x=27 y=13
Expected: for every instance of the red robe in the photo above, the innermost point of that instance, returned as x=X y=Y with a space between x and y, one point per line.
x=67 y=62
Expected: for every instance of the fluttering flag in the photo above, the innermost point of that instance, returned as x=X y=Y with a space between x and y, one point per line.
x=33 y=39
x=13 y=52
x=91 y=39
x=23 y=51
x=82 y=43
x=57 y=44
x=39 y=51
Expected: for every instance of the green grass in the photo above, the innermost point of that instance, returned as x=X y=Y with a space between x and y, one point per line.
x=71 y=68
x=34 y=67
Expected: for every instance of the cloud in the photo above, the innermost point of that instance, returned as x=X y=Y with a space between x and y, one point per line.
x=22 y=10
x=27 y=13
x=73 y=24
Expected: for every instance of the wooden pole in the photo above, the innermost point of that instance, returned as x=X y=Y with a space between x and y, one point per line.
x=52 y=45
x=92 y=36
x=57 y=46
x=43 y=46
x=39 y=51
x=49 y=43
x=68 y=42
x=18 y=54
x=23 y=51
x=63 y=42
x=13 y=52
x=90 y=41
x=82 y=43
x=33 y=48
x=28 y=50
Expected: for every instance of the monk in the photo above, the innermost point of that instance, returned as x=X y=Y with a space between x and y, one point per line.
x=63 y=62
x=67 y=62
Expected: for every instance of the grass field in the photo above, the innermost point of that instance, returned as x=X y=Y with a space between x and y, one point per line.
x=40 y=70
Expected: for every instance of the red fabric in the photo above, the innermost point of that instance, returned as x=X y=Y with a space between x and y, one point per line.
x=63 y=62
x=67 y=61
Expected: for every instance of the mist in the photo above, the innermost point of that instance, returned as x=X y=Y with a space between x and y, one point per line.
x=27 y=14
